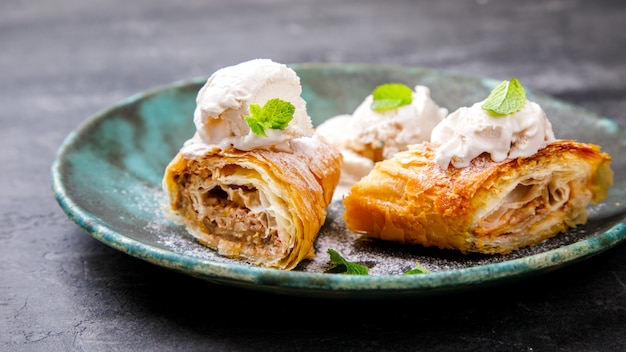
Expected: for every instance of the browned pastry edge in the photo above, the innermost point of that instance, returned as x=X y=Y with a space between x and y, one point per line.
x=302 y=181
x=411 y=199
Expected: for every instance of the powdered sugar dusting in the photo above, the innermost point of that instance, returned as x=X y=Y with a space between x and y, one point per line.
x=381 y=257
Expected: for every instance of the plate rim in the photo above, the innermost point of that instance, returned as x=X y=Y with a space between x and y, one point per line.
x=315 y=284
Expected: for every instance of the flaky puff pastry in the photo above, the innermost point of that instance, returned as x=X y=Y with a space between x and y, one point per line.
x=261 y=206
x=488 y=207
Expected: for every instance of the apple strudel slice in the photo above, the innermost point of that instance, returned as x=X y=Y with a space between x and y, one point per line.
x=488 y=207
x=261 y=206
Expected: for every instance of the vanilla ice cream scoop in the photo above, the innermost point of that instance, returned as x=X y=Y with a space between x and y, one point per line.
x=381 y=134
x=471 y=131
x=225 y=99
x=368 y=136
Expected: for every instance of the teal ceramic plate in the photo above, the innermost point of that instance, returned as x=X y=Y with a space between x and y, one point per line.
x=107 y=178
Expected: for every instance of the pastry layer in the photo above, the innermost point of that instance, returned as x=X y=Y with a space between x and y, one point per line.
x=487 y=207
x=262 y=206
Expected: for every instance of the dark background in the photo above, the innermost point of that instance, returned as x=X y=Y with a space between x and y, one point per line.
x=63 y=61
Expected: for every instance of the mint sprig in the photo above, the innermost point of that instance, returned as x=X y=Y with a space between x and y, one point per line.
x=505 y=99
x=343 y=266
x=275 y=114
x=391 y=96
x=419 y=269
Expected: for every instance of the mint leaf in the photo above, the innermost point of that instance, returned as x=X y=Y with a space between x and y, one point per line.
x=275 y=114
x=336 y=260
x=255 y=126
x=419 y=269
x=391 y=96
x=279 y=113
x=505 y=99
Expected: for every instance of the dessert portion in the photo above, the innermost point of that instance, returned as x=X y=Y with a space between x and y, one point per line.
x=226 y=97
x=382 y=125
x=254 y=182
x=471 y=131
x=489 y=181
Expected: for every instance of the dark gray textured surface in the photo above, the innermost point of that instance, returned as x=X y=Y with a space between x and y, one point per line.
x=62 y=61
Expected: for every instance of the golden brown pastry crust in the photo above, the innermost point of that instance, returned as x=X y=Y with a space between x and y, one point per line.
x=261 y=206
x=487 y=207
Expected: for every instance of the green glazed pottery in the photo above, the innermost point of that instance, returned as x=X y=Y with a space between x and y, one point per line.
x=107 y=179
